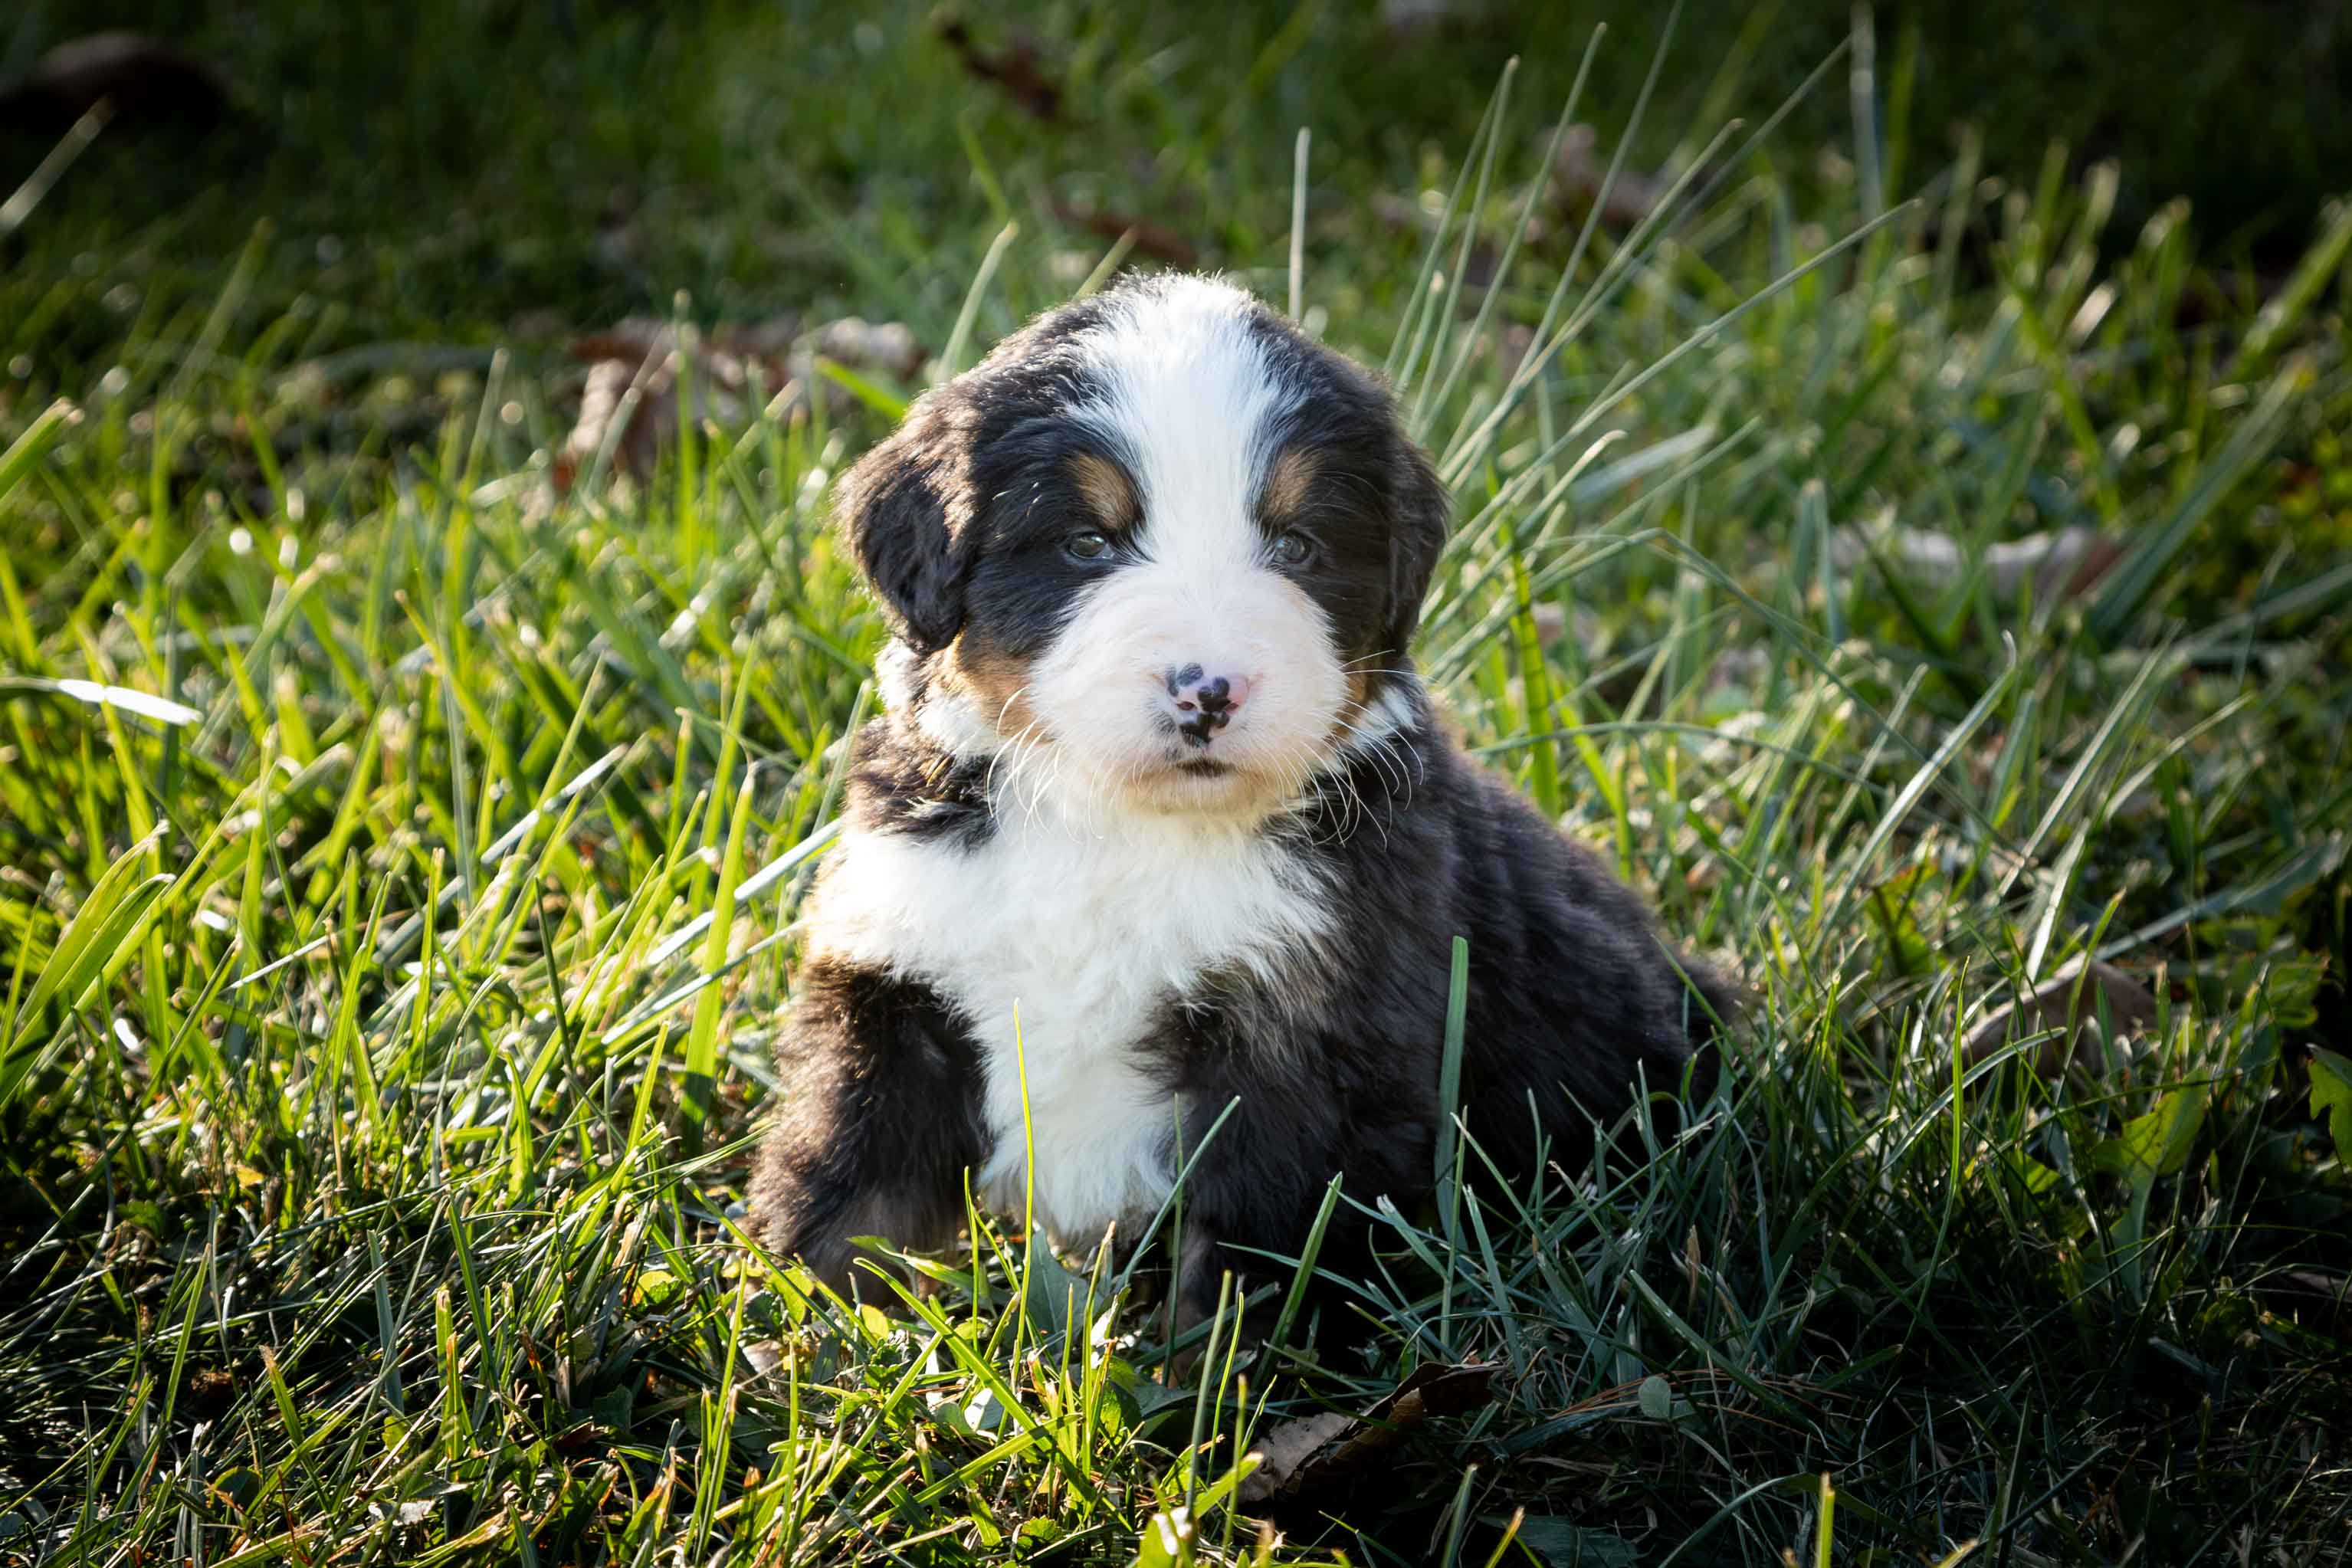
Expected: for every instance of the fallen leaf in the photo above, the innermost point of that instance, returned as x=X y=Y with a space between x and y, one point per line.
x=2129 y=1005
x=2061 y=563
x=729 y=369
x=1155 y=240
x=599 y=406
x=1578 y=172
x=1015 y=68
x=1436 y=1390
x=1288 y=1446
x=145 y=82
x=888 y=346
x=1317 y=1450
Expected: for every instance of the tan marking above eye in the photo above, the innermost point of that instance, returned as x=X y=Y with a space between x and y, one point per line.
x=1108 y=491
x=1287 y=480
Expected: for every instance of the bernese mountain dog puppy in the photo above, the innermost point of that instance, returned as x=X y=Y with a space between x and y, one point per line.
x=1158 y=820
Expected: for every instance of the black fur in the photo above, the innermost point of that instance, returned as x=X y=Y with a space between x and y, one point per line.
x=1365 y=465
x=964 y=478
x=1574 y=998
x=900 y=782
x=877 y=1120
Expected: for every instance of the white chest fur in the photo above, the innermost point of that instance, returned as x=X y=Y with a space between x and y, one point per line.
x=1087 y=931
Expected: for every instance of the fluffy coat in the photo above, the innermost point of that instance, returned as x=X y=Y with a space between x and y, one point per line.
x=1064 y=901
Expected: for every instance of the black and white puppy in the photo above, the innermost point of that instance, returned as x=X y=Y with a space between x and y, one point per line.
x=1159 y=819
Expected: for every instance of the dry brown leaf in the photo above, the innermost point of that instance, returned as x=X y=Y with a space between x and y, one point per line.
x=1317 y=1450
x=1578 y=172
x=1155 y=240
x=2129 y=1005
x=1287 y=1447
x=730 y=367
x=1434 y=1390
x=147 y=82
x=1015 y=68
x=2064 y=563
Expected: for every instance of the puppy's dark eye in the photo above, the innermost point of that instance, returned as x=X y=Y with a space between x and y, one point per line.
x=1088 y=545
x=1292 y=549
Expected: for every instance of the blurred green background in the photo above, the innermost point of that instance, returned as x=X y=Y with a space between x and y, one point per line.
x=482 y=167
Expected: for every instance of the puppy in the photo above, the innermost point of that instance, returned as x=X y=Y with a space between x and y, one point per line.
x=1158 y=820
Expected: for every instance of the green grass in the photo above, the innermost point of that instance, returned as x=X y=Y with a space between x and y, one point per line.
x=390 y=985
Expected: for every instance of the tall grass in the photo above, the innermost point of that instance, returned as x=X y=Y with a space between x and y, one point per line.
x=401 y=860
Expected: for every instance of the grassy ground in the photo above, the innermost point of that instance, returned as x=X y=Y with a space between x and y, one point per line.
x=389 y=982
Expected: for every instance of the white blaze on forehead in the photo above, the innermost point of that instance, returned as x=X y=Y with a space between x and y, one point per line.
x=1191 y=399
x=1187 y=396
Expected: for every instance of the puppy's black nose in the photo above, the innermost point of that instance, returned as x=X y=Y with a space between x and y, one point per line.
x=1206 y=702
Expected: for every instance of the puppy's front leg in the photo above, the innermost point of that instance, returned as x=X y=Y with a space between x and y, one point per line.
x=878 y=1119
x=1255 y=1191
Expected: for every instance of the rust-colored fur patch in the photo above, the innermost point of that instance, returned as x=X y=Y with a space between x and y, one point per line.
x=1358 y=705
x=994 y=682
x=1107 y=489
x=1288 y=479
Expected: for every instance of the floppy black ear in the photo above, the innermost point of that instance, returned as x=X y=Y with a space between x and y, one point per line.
x=904 y=509
x=1416 y=540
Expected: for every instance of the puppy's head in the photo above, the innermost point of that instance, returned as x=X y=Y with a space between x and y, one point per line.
x=1159 y=549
